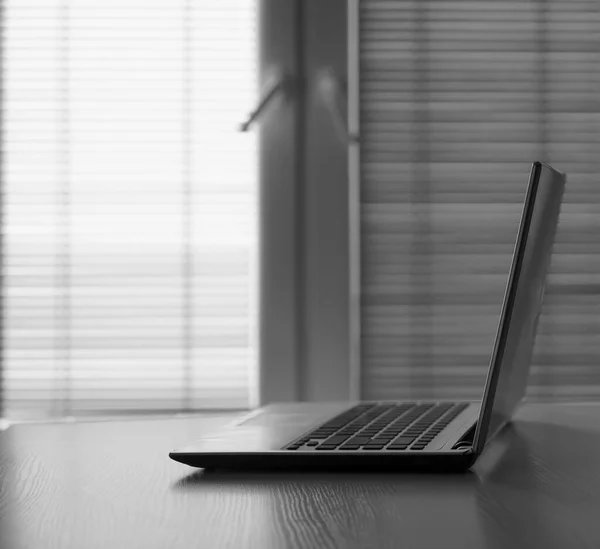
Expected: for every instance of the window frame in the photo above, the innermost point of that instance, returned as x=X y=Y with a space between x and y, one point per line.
x=309 y=296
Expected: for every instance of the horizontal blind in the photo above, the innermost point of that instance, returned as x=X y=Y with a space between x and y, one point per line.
x=129 y=205
x=457 y=98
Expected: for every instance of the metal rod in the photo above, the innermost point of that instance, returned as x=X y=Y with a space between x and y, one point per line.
x=335 y=97
x=282 y=85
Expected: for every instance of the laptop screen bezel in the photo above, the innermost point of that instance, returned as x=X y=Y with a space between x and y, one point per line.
x=483 y=423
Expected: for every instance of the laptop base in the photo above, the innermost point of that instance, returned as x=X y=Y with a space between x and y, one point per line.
x=437 y=462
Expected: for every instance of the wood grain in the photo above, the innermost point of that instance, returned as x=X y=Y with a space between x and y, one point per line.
x=111 y=484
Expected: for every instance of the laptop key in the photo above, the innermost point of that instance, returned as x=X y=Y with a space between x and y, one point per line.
x=336 y=440
x=397 y=446
x=360 y=440
x=381 y=440
x=403 y=440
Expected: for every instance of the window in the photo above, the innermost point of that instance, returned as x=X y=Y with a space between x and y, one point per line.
x=457 y=99
x=129 y=205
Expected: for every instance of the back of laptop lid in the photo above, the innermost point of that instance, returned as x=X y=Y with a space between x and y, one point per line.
x=509 y=369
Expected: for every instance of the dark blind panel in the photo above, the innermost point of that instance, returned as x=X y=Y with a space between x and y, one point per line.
x=129 y=205
x=457 y=99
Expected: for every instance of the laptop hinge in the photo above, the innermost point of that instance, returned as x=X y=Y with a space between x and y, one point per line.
x=466 y=441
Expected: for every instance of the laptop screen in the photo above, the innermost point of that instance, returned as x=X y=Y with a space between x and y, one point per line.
x=509 y=369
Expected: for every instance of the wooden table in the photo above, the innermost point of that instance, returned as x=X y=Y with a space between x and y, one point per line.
x=111 y=485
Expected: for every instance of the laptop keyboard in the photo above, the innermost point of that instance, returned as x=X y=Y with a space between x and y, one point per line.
x=372 y=427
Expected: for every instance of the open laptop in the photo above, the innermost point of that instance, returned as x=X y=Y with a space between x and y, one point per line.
x=430 y=435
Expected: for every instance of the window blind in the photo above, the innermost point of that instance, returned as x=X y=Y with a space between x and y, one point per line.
x=457 y=98
x=129 y=205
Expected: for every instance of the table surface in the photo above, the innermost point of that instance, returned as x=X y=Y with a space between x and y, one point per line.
x=111 y=484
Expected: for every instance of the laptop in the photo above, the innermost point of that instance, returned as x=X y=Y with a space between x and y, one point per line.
x=408 y=436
